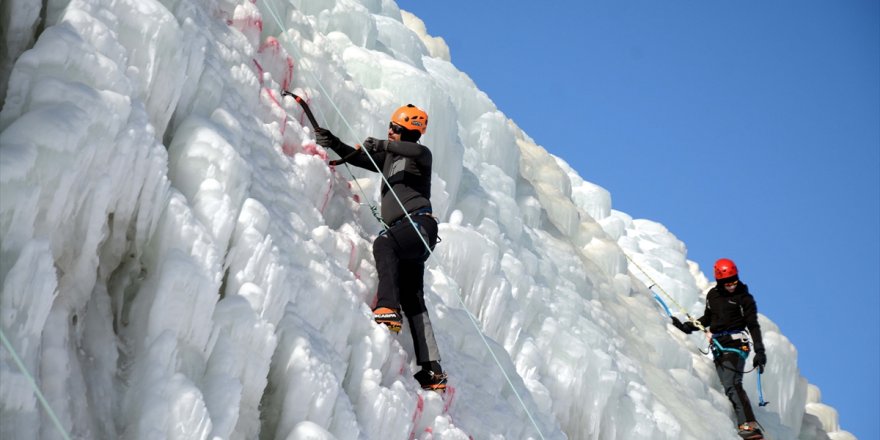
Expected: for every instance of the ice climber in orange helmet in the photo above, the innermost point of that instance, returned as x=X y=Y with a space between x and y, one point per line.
x=399 y=250
x=732 y=316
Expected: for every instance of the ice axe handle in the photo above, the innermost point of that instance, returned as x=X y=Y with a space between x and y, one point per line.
x=311 y=116
x=305 y=107
x=348 y=156
x=761 y=400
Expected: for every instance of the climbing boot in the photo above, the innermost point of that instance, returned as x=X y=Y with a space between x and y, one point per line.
x=431 y=381
x=389 y=317
x=750 y=431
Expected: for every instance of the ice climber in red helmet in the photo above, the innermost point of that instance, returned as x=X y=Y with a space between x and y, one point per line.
x=732 y=316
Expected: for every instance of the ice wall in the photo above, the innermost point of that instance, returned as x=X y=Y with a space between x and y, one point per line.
x=179 y=261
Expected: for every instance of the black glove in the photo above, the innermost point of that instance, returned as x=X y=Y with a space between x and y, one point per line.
x=325 y=138
x=685 y=327
x=374 y=145
x=760 y=361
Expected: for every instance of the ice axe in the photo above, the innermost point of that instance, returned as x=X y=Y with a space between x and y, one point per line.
x=304 y=106
x=761 y=401
x=660 y=300
x=314 y=122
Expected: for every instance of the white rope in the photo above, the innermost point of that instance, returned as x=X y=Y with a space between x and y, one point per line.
x=33 y=384
x=693 y=320
x=412 y=222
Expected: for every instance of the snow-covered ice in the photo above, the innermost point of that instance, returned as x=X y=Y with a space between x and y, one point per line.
x=178 y=260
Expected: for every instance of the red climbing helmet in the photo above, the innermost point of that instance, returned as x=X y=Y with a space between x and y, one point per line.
x=410 y=117
x=725 y=268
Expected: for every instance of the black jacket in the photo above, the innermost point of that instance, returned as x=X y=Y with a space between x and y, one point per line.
x=729 y=313
x=406 y=166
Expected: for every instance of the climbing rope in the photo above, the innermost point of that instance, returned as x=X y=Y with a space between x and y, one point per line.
x=473 y=320
x=693 y=320
x=33 y=383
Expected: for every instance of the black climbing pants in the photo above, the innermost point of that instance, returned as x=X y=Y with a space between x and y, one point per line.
x=729 y=367
x=400 y=256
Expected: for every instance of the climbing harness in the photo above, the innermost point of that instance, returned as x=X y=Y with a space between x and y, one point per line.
x=418 y=212
x=718 y=348
x=272 y=10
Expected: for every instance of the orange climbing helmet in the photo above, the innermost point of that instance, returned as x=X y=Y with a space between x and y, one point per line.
x=725 y=268
x=410 y=117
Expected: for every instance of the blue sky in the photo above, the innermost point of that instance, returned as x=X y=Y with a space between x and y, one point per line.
x=750 y=129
